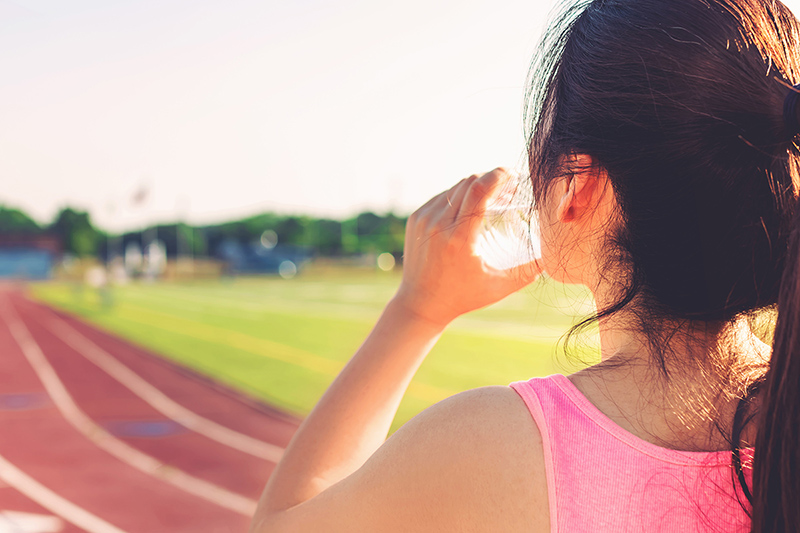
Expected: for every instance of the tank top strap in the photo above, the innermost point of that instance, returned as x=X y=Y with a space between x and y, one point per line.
x=601 y=477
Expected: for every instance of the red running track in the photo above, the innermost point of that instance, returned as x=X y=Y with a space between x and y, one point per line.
x=103 y=453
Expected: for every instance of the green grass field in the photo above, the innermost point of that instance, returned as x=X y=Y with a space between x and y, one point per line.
x=285 y=340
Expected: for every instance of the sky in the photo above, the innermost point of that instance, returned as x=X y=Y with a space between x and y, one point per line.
x=221 y=109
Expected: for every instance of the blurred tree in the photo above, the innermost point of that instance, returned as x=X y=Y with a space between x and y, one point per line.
x=369 y=224
x=292 y=230
x=366 y=233
x=14 y=221
x=190 y=241
x=327 y=236
x=369 y=232
x=76 y=232
x=395 y=234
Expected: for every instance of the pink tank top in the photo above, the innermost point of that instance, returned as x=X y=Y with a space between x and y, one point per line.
x=601 y=478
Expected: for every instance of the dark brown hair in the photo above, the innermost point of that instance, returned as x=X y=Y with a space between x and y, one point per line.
x=681 y=103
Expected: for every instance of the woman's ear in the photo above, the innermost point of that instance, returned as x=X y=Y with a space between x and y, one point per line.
x=582 y=190
x=564 y=209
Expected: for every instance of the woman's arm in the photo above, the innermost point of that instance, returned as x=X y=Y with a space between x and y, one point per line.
x=442 y=279
x=353 y=417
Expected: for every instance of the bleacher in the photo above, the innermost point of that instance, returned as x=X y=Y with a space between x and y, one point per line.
x=28 y=257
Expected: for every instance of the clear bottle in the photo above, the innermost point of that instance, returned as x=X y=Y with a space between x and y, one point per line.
x=509 y=235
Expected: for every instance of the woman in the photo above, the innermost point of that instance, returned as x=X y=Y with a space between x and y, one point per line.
x=664 y=162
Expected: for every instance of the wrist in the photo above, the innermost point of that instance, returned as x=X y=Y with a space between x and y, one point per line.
x=403 y=307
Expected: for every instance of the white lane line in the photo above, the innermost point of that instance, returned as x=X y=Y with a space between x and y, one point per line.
x=103 y=439
x=51 y=501
x=158 y=400
x=19 y=522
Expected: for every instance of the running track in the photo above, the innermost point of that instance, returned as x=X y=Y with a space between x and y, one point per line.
x=109 y=438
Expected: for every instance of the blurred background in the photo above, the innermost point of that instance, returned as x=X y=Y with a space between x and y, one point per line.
x=220 y=189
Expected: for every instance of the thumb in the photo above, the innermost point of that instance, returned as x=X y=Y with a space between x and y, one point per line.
x=526 y=273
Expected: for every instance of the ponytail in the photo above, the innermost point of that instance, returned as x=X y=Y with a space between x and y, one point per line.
x=776 y=464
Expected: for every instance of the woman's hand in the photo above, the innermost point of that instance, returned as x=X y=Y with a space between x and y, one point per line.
x=443 y=277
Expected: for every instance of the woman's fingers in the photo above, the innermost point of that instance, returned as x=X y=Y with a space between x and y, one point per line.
x=441 y=210
x=458 y=194
x=462 y=207
x=480 y=192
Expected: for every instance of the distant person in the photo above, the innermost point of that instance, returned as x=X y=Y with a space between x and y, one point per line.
x=665 y=163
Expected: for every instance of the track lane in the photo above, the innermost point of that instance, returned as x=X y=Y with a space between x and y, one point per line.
x=188 y=388
x=157 y=399
x=103 y=438
x=63 y=509
x=13 y=500
x=119 y=411
x=77 y=470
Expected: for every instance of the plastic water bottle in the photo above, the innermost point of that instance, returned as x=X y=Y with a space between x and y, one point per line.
x=509 y=235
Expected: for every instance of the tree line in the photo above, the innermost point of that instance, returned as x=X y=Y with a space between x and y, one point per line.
x=365 y=233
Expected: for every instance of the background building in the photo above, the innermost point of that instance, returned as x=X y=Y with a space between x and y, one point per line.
x=28 y=257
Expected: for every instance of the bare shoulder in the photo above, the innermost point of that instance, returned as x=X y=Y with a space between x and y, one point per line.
x=484 y=461
x=492 y=421
x=470 y=463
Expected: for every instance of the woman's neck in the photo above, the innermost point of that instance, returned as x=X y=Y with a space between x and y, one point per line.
x=677 y=384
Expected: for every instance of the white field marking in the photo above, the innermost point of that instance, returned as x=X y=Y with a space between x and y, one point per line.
x=103 y=439
x=51 y=501
x=18 y=522
x=158 y=400
x=468 y=325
